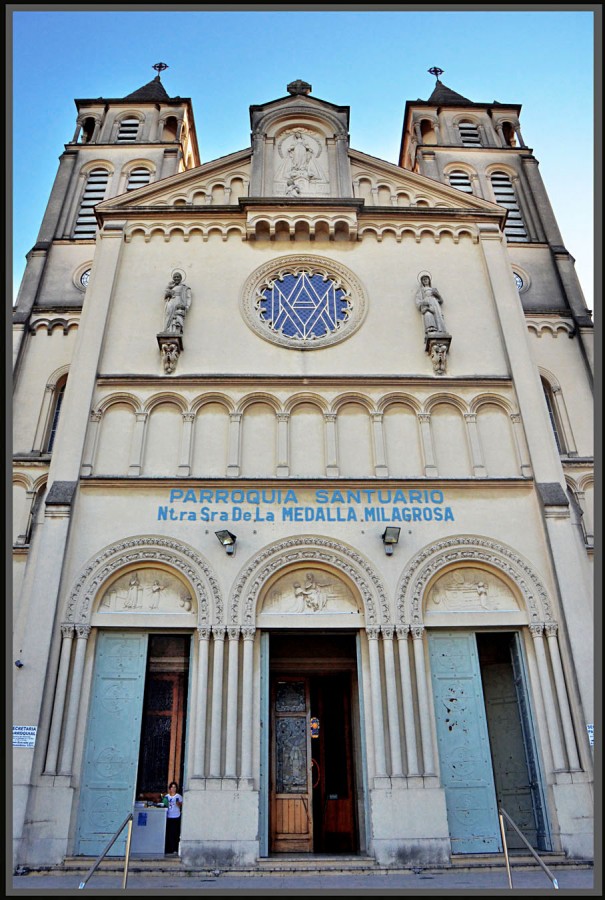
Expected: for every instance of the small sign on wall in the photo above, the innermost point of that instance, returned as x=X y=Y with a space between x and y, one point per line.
x=590 y=730
x=24 y=735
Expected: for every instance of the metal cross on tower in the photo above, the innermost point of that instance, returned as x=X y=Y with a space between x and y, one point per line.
x=159 y=67
x=436 y=71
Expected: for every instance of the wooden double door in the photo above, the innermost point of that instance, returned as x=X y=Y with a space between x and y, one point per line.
x=312 y=808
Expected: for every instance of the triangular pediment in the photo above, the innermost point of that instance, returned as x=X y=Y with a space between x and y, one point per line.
x=387 y=180
x=198 y=187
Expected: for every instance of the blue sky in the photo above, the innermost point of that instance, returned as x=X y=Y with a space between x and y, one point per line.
x=372 y=61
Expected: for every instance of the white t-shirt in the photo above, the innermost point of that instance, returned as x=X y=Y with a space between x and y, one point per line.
x=174 y=811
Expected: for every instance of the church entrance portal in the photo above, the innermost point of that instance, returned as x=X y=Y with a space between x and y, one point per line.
x=312 y=793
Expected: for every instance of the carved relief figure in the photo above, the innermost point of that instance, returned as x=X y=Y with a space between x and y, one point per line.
x=438 y=357
x=300 y=171
x=131 y=601
x=330 y=595
x=146 y=591
x=170 y=354
x=429 y=302
x=468 y=590
x=177 y=302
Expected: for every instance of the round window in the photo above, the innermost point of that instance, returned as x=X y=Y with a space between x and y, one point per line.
x=303 y=302
x=85 y=278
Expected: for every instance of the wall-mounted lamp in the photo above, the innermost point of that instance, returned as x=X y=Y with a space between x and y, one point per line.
x=227 y=540
x=390 y=537
x=19 y=664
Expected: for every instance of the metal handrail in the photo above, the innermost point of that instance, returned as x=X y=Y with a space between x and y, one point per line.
x=127 y=821
x=502 y=812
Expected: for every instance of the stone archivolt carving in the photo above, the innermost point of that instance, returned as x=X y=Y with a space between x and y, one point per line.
x=466 y=550
x=309 y=591
x=146 y=551
x=303 y=302
x=306 y=551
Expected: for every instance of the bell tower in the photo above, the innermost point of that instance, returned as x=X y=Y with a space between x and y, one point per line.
x=479 y=149
x=119 y=144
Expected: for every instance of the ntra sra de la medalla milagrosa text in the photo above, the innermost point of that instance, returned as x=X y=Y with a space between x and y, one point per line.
x=271 y=505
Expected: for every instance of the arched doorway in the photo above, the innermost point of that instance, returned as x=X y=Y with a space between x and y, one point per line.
x=310 y=616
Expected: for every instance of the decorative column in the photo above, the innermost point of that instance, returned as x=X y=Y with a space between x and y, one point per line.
x=372 y=632
x=283 y=469
x=380 y=462
x=476 y=185
x=423 y=700
x=547 y=698
x=136 y=446
x=186 y=444
x=430 y=466
x=248 y=634
x=331 y=445
x=407 y=700
x=562 y=697
x=479 y=469
x=218 y=635
x=235 y=421
x=232 y=672
x=52 y=753
x=392 y=709
x=519 y=436
x=199 y=760
x=90 y=447
x=83 y=633
x=374 y=191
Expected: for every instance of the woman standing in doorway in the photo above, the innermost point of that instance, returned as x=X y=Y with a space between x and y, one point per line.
x=174 y=802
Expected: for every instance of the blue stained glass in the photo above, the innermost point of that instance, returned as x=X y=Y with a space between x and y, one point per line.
x=304 y=306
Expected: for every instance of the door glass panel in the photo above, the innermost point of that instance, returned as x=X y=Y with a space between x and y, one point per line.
x=291 y=749
x=290 y=696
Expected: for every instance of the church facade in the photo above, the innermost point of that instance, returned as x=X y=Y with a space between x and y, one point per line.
x=303 y=476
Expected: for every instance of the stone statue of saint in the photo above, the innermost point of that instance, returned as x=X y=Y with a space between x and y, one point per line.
x=177 y=302
x=429 y=302
x=300 y=170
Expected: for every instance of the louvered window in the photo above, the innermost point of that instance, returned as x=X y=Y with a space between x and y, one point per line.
x=129 y=129
x=94 y=192
x=504 y=195
x=469 y=134
x=137 y=178
x=461 y=181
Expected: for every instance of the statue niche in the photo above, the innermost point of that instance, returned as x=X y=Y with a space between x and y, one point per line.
x=301 y=165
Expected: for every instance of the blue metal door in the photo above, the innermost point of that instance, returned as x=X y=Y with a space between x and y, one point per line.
x=111 y=751
x=463 y=741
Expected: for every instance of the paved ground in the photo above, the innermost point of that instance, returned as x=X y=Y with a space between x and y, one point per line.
x=574 y=882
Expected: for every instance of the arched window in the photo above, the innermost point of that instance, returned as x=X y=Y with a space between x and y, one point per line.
x=59 y=393
x=128 y=131
x=170 y=129
x=36 y=514
x=460 y=180
x=552 y=414
x=137 y=178
x=504 y=195
x=88 y=128
x=469 y=134
x=94 y=192
x=508 y=132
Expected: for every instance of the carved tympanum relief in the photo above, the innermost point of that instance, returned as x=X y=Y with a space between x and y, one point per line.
x=470 y=590
x=301 y=165
x=146 y=591
x=311 y=592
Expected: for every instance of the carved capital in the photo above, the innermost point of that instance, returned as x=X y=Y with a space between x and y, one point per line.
x=188 y=417
x=83 y=632
x=233 y=631
x=515 y=418
x=424 y=418
x=95 y=415
x=283 y=417
x=470 y=418
x=387 y=632
x=218 y=632
x=67 y=631
x=203 y=632
x=417 y=632
x=536 y=631
x=372 y=632
x=248 y=633
x=551 y=629
x=402 y=632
